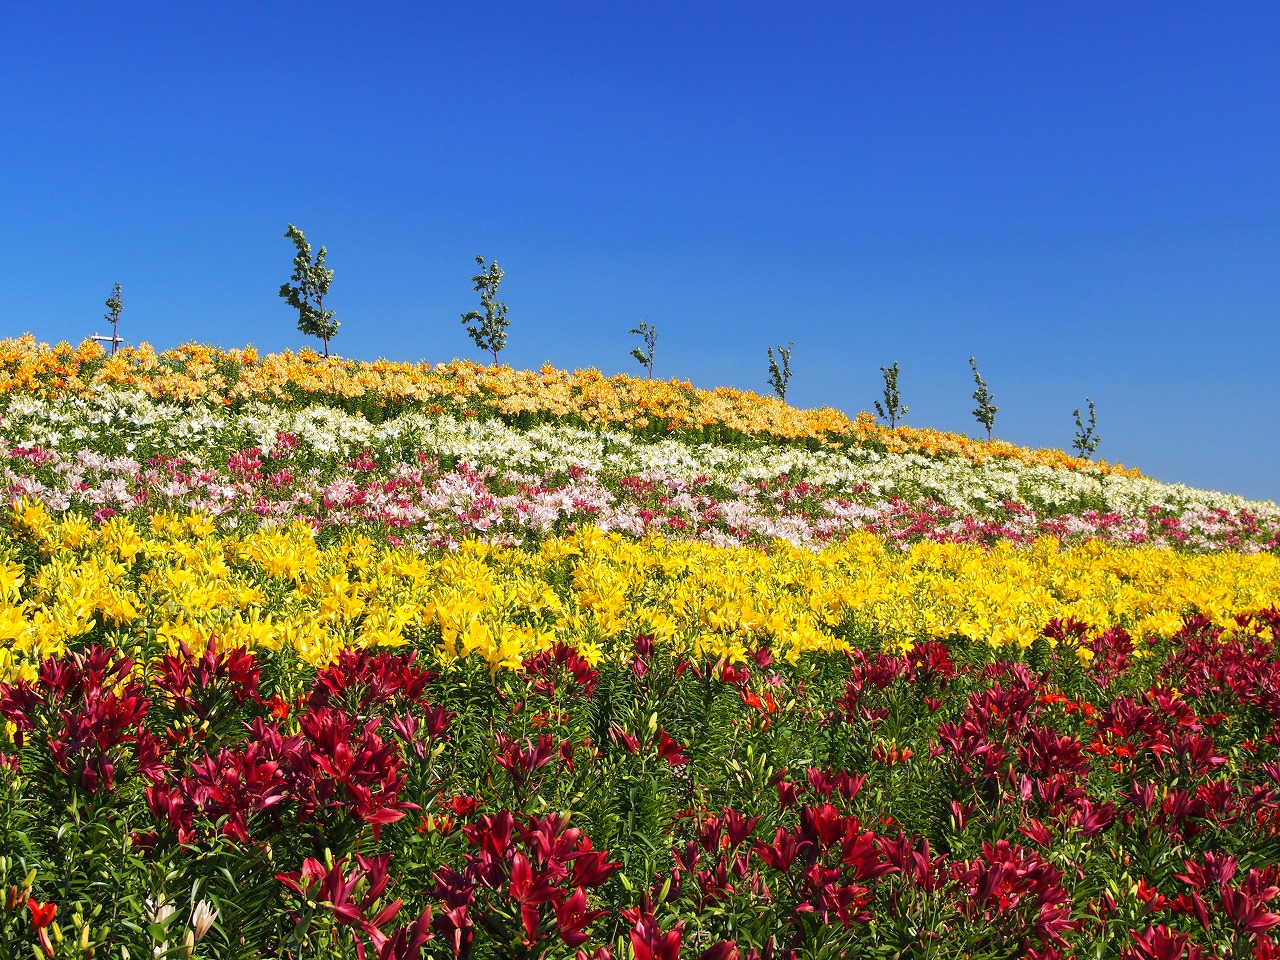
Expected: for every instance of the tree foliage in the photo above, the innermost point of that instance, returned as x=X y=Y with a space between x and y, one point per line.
x=308 y=287
x=780 y=373
x=893 y=410
x=649 y=333
x=115 y=306
x=985 y=411
x=488 y=329
x=1087 y=439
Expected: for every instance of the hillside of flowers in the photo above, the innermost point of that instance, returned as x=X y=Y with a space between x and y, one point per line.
x=312 y=658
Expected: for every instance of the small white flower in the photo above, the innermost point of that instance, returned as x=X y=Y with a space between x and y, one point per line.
x=203 y=915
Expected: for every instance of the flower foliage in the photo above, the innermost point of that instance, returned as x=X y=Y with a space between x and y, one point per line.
x=283 y=680
x=205 y=376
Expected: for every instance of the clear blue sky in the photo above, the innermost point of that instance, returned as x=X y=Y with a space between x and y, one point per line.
x=1084 y=196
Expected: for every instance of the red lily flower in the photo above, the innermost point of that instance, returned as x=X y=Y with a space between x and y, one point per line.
x=529 y=891
x=669 y=750
x=1161 y=943
x=648 y=942
x=406 y=944
x=782 y=853
x=334 y=890
x=463 y=806
x=1037 y=832
x=41 y=916
x=1152 y=897
x=591 y=868
x=721 y=950
x=631 y=743
x=572 y=917
x=787 y=794
x=456 y=926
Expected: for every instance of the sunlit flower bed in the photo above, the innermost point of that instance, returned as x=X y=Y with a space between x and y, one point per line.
x=280 y=681
x=436 y=479
x=178 y=581
x=206 y=376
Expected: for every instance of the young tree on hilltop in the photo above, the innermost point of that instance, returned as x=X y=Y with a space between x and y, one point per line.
x=1087 y=439
x=488 y=330
x=892 y=410
x=312 y=286
x=780 y=375
x=115 y=306
x=985 y=411
x=645 y=355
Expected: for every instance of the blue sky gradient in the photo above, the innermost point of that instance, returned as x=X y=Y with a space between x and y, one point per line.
x=1082 y=196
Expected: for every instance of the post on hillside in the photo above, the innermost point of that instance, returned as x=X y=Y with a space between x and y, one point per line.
x=114 y=340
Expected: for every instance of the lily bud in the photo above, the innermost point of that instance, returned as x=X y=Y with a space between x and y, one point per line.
x=203 y=915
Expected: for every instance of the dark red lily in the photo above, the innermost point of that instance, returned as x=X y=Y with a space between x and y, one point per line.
x=529 y=891
x=1161 y=943
x=42 y=915
x=573 y=917
x=669 y=750
x=647 y=941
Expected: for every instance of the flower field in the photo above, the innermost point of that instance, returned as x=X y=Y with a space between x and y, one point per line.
x=307 y=658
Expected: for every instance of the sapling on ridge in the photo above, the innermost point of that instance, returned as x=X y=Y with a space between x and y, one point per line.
x=985 y=412
x=309 y=287
x=892 y=410
x=115 y=306
x=649 y=333
x=488 y=330
x=1087 y=439
x=780 y=375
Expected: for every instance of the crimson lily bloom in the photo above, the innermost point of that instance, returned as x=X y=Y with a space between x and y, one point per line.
x=42 y=915
x=721 y=950
x=783 y=852
x=669 y=750
x=591 y=868
x=529 y=891
x=329 y=887
x=572 y=917
x=631 y=743
x=787 y=794
x=1247 y=907
x=406 y=944
x=649 y=943
x=1161 y=943
x=455 y=926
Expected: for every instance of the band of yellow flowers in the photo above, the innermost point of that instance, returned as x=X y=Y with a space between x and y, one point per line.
x=180 y=581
